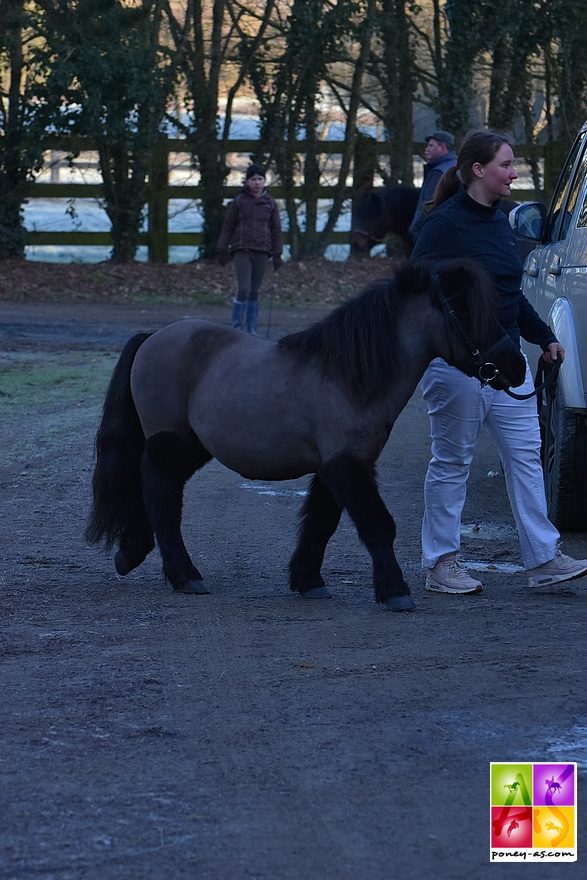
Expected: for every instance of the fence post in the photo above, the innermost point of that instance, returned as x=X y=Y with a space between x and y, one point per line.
x=158 y=213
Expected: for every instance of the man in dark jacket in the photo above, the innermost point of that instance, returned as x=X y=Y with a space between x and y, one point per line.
x=440 y=156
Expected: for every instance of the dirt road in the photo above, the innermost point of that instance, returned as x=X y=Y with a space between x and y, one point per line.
x=249 y=734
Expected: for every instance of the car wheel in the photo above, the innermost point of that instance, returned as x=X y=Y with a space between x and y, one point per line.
x=564 y=461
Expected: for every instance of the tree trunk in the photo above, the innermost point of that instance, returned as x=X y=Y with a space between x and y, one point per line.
x=13 y=147
x=125 y=195
x=396 y=77
x=310 y=239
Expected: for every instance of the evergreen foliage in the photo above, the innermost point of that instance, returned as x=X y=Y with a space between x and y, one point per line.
x=112 y=70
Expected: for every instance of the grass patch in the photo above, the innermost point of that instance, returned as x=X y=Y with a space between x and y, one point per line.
x=42 y=380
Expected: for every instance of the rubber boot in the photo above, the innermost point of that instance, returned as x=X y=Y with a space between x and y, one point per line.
x=237 y=314
x=251 y=316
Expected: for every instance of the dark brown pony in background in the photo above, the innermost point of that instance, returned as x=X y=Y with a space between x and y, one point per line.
x=322 y=401
x=389 y=211
x=379 y=213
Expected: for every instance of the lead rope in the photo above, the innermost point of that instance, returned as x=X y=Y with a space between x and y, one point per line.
x=548 y=383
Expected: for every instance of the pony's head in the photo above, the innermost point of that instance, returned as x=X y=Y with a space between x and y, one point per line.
x=379 y=214
x=369 y=222
x=475 y=340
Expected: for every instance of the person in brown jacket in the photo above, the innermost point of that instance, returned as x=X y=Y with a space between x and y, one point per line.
x=250 y=234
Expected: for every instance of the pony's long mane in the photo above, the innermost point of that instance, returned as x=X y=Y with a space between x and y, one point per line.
x=358 y=342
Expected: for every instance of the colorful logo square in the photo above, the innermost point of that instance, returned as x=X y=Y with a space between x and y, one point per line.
x=511 y=827
x=554 y=827
x=554 y=785
x=511 y=784
x=533 y=811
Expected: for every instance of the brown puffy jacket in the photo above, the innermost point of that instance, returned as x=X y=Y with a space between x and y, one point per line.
x=251 y=224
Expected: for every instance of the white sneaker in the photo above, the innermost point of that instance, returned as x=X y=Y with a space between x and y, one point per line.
x=450 y=576
x=561 y=568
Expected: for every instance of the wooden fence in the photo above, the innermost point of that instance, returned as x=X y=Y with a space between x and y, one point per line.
x=158 y=238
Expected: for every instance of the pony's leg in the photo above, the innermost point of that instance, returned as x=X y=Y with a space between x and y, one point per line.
x=320 y=516
x=354 y=486
x=168 y=462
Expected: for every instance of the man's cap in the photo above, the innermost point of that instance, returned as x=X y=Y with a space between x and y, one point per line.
x=444 y=136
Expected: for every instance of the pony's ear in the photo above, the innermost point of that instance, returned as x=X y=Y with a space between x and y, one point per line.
x=463 y=269
x=453 y=276
x=410 y=277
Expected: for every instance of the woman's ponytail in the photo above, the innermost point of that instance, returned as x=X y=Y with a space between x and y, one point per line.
x=446 y=187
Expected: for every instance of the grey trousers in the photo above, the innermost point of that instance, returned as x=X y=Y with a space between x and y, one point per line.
x=249 y=270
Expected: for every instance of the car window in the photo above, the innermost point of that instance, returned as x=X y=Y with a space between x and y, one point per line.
x=582 y=221
x=561 y=210
x=574 y=193
x=583 y=215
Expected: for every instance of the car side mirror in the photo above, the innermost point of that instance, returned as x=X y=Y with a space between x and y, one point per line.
x=528 y=220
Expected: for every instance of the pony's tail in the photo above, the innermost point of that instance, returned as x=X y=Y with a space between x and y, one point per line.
x=116 y=484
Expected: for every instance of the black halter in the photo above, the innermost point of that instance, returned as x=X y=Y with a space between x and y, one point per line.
x=369 y=236
x=487 y=370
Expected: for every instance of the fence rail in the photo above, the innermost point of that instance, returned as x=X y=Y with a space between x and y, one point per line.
x=158 y=238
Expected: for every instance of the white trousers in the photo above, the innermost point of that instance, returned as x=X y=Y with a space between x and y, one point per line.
x=458 y=408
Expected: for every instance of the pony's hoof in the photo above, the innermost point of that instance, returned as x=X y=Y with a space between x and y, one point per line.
x=316 y=593
x=400 y=603
x=121 y=564
x=193 y=587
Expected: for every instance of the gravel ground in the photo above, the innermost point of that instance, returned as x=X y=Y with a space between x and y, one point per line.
x=248 y=734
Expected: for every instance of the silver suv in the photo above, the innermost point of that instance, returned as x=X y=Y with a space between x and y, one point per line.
x=555 y=282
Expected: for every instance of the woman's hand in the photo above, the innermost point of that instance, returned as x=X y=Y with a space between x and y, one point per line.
x=554 y=352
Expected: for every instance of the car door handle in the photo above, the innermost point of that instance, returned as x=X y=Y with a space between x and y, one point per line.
x=555 y=266
x=531 y=267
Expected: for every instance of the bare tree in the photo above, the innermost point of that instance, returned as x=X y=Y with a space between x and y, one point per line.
x=209 y=36
x=391 y=71
x=295 y=82
x=569 y=65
